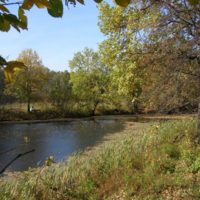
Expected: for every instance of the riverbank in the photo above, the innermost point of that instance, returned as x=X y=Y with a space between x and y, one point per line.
x=160 y=162
x=106 y=117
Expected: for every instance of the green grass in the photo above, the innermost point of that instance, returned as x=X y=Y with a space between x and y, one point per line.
x=159 y=163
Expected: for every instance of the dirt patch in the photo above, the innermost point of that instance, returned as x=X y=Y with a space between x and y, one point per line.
x=175 y=116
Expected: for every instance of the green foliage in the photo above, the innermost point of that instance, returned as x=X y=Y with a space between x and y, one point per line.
x=29 y=82
x=60 y=92
x=153 y=64
x=195 y=168
x=2 y=61
x=57 y=8
x=89 y=78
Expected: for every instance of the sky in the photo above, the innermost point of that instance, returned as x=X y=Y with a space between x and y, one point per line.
x=56 y=40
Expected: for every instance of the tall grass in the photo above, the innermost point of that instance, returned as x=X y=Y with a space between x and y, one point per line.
x=161 y=162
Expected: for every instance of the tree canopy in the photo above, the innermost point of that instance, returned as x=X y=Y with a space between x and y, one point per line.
x=89 y=78
x=151 y=38
x=28 y=82
x=54 y=9
x=155 y=44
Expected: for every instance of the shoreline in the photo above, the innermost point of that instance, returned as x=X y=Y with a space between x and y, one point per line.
x=107 y=117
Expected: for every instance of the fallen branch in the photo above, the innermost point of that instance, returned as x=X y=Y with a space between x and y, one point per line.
x=15 y=159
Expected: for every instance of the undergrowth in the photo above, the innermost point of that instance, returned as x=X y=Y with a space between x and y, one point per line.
x=159 y=163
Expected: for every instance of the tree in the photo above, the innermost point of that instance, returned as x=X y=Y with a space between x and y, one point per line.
x=54 y=8
x=60 y=89
x=28 y=84
x=89 y=78
x=154 y=39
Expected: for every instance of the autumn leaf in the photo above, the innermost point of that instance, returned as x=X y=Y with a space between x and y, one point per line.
x=98 y=1
x=27 y=4
x=43 y=4
x=23 y=19
x=3 y=8
x=81 y=1
x=122 y=3
x=193 y=2
x=11 y=68
x=13 y=20
x=4 y=24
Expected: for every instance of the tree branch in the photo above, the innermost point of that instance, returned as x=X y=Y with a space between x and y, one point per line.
x=9 y=4
x=15 y=159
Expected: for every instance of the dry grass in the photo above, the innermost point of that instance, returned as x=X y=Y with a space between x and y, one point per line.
x=138 y=164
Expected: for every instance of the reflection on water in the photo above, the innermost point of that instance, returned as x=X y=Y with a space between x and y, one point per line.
x=59 y=139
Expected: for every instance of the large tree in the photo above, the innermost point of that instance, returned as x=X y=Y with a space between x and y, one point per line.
x=29 y=82
x=154 y=41
x=89 y=78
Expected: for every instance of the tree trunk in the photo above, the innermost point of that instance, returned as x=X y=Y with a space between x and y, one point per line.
x=28 y=104
x=93 y=110
x=198 y=125
x=135 y=106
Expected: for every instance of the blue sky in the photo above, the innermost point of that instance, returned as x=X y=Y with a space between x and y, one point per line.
x=55 y=39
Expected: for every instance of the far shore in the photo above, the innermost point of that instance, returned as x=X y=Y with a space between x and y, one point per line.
x=107 y=117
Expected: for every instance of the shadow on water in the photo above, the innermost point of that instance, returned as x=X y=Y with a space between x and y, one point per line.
x=59 y=139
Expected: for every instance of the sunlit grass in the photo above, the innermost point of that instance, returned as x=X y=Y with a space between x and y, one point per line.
x=161 y=162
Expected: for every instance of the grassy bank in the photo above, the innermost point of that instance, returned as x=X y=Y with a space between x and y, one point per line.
x=159 y=163
x=18 y=111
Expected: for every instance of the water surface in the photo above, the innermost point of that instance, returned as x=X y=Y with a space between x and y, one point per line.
x=59 y=139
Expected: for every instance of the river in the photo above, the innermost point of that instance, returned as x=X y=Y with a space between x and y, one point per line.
x=58 y=139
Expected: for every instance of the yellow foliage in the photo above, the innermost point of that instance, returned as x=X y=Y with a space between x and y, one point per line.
x=122 y=3
x=5 y=25
x=28 y=4
x=10 y=69
x=3 y=8
x=22 y=17
x=193 y=2
x=43 y=4
x=49 y=161
x=81 y=1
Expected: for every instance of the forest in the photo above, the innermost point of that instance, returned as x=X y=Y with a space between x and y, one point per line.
x=149 y=62
x=92 y=88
